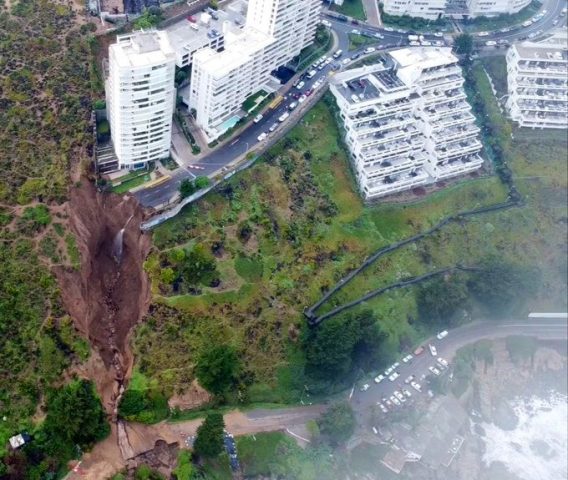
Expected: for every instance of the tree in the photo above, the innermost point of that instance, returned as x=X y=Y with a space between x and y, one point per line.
x=186 y=188
x=217 y=368
x=199 y=266
x=77 y=408
x=338 y=423
x=439 y=300
x=185 y=469
x=202 y=182
x=463 y=44
x=209 y=440
x=501 y=286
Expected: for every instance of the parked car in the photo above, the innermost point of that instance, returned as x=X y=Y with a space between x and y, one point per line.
x=406 y=392
x=399 y=395
x=394 y=376
x=419 y=351
x=273 y=127
x=370 y=50
x=302 y=99
x=300 y=85
x=416 y=386
x=292 y=106
x=443 y=362
x=395 y=400
x=409 y=379
x=283 y=117
x=365 y=387
x=483 y=34
x=407 y=358
x=434 y=370
x=383 y=408
x=375 y=431
x=258 y=118
x=443 y=334
x=433 y=350
x=379 y=378
x=262 y=136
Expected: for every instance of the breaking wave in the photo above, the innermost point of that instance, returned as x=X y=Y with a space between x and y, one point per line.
x=537 y=448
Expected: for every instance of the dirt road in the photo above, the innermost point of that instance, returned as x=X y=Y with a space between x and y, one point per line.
x=106 y=459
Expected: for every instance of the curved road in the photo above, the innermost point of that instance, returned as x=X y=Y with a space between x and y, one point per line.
x=222 y=157
x=542 y=328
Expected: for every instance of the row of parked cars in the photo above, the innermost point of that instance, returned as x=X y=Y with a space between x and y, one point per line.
x=400 y=396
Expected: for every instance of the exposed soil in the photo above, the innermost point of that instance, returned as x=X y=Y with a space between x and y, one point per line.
x=108 y=295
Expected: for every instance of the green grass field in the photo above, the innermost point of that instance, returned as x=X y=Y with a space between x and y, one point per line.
x=351 y=8
x=309 y=226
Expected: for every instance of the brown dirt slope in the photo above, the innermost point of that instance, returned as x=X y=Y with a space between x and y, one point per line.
x=107 y=297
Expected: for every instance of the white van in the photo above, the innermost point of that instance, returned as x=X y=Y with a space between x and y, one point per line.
x=312 y=73
x=258 y=118
x=338 y=54
x=283 y=117
x=262 y=136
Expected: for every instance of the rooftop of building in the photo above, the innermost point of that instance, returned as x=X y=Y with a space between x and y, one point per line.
x=552 y=48
x=425 y=57
x=143 y=47
x=239 y=49
x=199 y=29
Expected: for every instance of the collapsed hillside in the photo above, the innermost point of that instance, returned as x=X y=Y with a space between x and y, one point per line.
x=110 y=292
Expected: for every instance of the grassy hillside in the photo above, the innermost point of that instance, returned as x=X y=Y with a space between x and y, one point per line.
x=287 y=229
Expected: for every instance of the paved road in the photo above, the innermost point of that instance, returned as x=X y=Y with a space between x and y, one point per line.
x=363 y=402
x=237 y=147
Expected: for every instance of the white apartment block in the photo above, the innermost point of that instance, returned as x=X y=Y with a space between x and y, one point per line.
x=275 y=32
x=140 y=97
x=205 y=29
x=434 y=9
x=537 y=75
x=407 y=122
x=429 y=9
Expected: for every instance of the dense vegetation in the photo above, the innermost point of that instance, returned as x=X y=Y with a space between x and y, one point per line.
x=46 y=77
x=209 y=439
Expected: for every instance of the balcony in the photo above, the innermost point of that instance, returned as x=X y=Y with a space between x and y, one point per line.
x=396 y=183
x=458 y=166
x=383 y=125
x=393 y=149
x=393 y=165
x=456 y=149
x=453 y=134
x=390 y=136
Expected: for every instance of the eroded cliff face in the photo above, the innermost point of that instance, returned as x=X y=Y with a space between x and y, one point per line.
x=110 y=292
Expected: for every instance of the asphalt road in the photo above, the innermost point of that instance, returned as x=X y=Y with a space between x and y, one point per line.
x=228 y=153
x=364 y=401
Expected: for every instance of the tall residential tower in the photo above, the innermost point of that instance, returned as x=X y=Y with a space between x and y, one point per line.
x=140 y=97
x=275 y=32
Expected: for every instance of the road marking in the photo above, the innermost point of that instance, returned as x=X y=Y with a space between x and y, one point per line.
x=548 y=315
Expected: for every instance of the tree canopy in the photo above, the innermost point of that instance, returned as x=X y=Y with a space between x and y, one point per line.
x=338 y=423
x=440 y=300
x=209 y=440
x=217 y=368
x=463 y=44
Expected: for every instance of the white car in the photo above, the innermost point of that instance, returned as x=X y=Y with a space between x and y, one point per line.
x=483 y=34
x=302 y=99
x=399 y=395
x=426 y=43
x=325 y=23
x=394 y=400
x=375 y=431
x=283 y=117
x=443 y=362
x=300 y=85
x=416 y=386
x=407 y=358
x=345 y=61
x=434 y=370
x=273 y=127
x=356 y=32
x=388 y=371
x=406 y=392
x=365 y=387
x=394 y=376
x=387 y=402
x=379 y=378
x=258 y=118
x=443 y=334
x=409 y=379
x=262 y=136
x=378 y=35
x=438 y=34
x=414 y=43
x=383 y=408
x=433 y=350
x=490 y=43
x=370 y=50
x=389 y=29
x=395 y=365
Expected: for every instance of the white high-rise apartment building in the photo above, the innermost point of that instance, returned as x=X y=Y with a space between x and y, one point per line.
x=140 y=97
x=407 y=122
x=537 y=75
x=434 y=9
x=275 y=32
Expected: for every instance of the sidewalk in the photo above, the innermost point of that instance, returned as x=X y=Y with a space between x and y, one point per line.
x=371 y=8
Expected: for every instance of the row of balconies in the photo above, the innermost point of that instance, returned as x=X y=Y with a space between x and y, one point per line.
x=396 y=183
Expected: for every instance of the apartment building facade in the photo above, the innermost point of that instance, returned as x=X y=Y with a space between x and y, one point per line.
x=140 y=97
x=537 y=76
x=407 y=122
x=275 y=32
x=434 y=9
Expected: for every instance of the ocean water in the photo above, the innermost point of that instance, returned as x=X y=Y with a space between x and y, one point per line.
x=537 y=448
